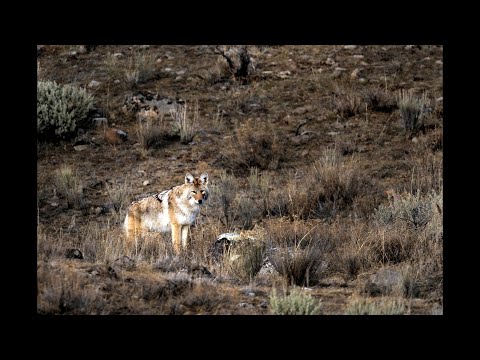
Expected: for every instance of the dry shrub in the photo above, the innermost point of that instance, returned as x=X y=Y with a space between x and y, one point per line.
x=349 y=105
x=140 y=67
x=224 y=191
x=68 y=184
x=426 y=170
x=151 y=129
x=246 y=211
x=378 y=99
x=412 y=110
x=330 y=186
x=297 y=250
x=245 y=258
x=66 y=293
x=186 y=124
x=254 y=144
x=119 y=195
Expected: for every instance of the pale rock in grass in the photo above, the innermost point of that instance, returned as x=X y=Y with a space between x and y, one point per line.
x=350 y=47
x=94 y=84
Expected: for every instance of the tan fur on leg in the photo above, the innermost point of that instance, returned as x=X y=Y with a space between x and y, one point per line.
x=176 y=237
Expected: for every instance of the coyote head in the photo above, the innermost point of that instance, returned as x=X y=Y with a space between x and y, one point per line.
x=197 y=188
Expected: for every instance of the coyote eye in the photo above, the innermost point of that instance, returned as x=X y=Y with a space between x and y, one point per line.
x=194 y=192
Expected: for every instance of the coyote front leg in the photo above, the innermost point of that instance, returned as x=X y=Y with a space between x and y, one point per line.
x=176 y=237
x=185 y=236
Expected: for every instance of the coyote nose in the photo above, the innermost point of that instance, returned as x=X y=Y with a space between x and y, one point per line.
x=200 y=201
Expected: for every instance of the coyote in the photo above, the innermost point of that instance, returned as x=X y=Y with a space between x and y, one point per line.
x=174 y=209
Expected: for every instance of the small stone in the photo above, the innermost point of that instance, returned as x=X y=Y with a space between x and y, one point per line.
x=355 y=73
x=333 y=133
x=284 y=74
x=81 y=147
x=73 y=254
x=118 y=55
x=94 y=84
x=251 y=294
x=415 y=140
x=167 y=69
x=358 y=56
x=268 y=72
x=54 y=204
x=362 y=80
x=350 y=47
x=439 y=99
x=181 y=72
x=330 y=61
x=98 y=210
x=302 y=110
x=340 y=69
x=146 y=183
x=439 y=62
x=116 y=81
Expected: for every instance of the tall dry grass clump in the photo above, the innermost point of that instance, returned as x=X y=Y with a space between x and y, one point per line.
x=297 y=250
x=67 y=183
x=186 y=123
x=330 y=186
x=245 y=258
x=151 y=130
x=412 y=110
x=254 y=144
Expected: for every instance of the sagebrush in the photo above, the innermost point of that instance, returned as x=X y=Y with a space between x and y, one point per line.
x=60 y=109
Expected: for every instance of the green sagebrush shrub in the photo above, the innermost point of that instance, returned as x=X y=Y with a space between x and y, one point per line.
x=60 y=109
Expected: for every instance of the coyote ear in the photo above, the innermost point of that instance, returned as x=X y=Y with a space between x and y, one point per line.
x=189 y=178
x=204 y=178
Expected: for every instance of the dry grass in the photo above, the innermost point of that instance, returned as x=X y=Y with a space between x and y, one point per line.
x=365 y=306
x=297 y=250
x=245 y=259
x=67 y=183
x=254 y=144
x=412 y=110
x=330 y=186
x=119 y=195
x=186 y=124
x=151 y=130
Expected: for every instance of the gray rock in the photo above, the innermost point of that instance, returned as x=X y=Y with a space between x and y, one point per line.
x=81 y=147
x=302 y=110
x=358 y=56
x=100 y=121
x=350 y=47
x=384 y=282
